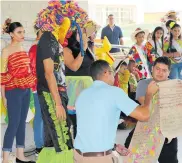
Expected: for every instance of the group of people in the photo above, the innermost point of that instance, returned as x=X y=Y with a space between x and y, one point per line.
x=71 y=88
x=158 y=58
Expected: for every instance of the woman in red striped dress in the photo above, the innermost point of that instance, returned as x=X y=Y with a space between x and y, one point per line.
x=16 y=81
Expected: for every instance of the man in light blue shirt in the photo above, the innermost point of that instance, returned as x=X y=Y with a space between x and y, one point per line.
x=98 y=111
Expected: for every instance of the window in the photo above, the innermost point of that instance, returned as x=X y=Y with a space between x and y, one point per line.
x=122 y=14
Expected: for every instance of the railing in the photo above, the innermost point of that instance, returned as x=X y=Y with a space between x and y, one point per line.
x=114 y=46
x=5 y=39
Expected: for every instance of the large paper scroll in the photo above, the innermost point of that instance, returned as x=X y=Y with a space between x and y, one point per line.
x=165 y=121
x=147 y=140
x=170 y=104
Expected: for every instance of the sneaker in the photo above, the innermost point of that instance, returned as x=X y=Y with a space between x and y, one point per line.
x=37 y=151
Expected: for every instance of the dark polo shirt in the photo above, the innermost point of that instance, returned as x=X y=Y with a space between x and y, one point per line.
x=113 y=36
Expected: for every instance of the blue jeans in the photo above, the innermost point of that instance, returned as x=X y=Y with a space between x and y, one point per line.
x=176 y=71
x=18 y=101
x=38 y=124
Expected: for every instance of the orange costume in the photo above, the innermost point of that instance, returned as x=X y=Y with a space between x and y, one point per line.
x=18 y=74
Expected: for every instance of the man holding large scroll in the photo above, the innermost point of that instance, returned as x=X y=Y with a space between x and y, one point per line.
x=160 y=72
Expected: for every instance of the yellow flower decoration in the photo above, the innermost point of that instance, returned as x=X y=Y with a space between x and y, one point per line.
x=171 y=25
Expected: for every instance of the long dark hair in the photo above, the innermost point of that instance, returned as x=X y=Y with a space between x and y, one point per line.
x=154 y=39
x=73 y=44
x=171 y=36
x=119 y=64
x=10 y=27
x=169 y=22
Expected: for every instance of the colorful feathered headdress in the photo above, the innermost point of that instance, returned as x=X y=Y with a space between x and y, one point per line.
x=52 y=17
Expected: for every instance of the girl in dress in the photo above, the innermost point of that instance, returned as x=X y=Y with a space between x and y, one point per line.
x=173 y=50
x=155 y=46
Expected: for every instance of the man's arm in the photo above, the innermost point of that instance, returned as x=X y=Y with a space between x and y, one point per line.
x=141 y=100
x=51 y=80
x=47 y=52
x=121 y=41
x=71 y=62
x=142 y=112
x=121 y=37
x=130 y=108
x=52 y=84
x=102 y=34
x=145 y=101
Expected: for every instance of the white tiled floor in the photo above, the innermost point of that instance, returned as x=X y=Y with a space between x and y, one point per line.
x=120 y=138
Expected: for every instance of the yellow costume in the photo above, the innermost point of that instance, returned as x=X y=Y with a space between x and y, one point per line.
x=123 y=80
x=103 y=52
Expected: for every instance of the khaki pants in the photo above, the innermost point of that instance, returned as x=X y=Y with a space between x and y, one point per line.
x=103 y=159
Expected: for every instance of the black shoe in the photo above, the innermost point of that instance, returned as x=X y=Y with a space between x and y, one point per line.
x=122 y=126
x=19 y=161
x=37 y=151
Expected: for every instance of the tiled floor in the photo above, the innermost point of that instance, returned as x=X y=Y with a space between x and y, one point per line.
x=120 y=138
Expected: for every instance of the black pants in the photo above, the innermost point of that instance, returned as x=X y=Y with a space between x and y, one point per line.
x=74 y=123
x=168 y=153
x=55 y=131
x=132 y=95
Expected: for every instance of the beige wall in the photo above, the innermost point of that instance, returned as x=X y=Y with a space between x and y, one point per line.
x=25 y=12
x=22 y=11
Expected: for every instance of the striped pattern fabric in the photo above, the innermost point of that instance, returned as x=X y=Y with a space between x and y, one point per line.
x=18 y=73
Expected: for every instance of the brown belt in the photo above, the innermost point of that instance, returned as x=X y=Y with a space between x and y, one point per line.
x=94 y=154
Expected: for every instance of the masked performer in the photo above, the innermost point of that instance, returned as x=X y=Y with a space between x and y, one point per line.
x=57 y=21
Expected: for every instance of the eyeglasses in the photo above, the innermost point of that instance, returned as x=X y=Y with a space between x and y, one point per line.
x=110 y=71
